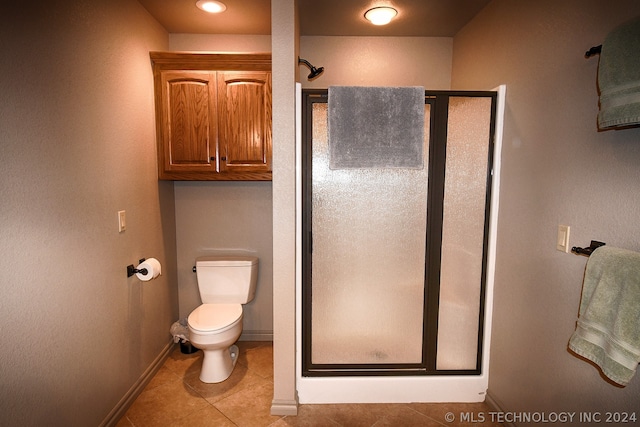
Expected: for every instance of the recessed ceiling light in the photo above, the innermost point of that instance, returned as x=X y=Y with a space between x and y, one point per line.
x=380 y=15
x=211 y=6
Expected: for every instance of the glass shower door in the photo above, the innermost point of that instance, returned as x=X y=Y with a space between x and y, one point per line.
x=464 y=232
x=394 y=259
x=368 y=259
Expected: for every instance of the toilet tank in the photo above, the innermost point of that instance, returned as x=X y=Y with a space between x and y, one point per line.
x=227 y=279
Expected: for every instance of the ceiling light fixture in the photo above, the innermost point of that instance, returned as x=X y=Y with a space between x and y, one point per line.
x=380 y=15
x=211 y=6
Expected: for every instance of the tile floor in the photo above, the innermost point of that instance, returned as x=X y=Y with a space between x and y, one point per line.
x=175 y=397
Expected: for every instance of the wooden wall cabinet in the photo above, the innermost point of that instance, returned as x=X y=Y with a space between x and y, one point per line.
x=213 y=116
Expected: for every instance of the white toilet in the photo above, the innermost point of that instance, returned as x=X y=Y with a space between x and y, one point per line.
x=225 y=283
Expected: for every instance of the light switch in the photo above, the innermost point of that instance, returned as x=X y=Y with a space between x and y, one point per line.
x=122 y=221
x=563 y=238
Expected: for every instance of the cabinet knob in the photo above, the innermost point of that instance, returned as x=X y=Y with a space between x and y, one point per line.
x=224 y=159
x=213 y=159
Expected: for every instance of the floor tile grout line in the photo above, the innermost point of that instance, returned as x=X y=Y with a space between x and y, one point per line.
x=189 y=387
x=426 y=416
x=212 y=404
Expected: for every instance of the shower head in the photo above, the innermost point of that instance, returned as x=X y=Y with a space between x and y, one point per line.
x=315 y=72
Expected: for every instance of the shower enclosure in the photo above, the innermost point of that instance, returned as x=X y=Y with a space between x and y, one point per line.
x=394 y=261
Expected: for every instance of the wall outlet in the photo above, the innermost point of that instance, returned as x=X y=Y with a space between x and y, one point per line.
x=563 y=238
x=122 y=221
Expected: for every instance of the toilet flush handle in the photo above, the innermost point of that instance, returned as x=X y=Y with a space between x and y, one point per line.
x=194 y=269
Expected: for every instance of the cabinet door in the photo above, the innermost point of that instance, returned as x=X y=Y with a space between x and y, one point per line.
x=189 y=123
x=244 y=113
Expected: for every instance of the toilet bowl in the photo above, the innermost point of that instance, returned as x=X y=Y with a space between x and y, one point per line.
x=213 y=328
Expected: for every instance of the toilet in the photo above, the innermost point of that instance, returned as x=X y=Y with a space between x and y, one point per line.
x=225 y=283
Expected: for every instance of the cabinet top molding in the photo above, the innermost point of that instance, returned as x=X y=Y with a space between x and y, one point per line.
x=211 y=61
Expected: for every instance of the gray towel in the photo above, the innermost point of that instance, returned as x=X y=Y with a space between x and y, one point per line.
x=608 y=330
x=619 y=77
x=376 y=127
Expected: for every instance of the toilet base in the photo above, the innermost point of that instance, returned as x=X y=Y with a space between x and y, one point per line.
x=218 y=364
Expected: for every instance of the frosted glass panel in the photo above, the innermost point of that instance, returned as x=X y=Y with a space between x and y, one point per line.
x=369 y=229
x=463 y=232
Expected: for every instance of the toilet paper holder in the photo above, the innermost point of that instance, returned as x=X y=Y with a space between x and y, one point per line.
x=131 y=270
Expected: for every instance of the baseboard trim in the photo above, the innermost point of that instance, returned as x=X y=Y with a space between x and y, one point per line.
x=127 y=400
x=497 y=407
x=284 y=407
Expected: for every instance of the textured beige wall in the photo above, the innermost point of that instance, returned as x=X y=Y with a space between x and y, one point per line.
x=77 y=132
x=227 y=43
x=285 y=48
x=378 y=61
x=556 y=169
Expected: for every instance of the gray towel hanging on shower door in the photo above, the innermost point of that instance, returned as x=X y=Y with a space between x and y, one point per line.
x=376 y=127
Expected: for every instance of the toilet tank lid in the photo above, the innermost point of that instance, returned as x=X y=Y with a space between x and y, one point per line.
x=226 y=261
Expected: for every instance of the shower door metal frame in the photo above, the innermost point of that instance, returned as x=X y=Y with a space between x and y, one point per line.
x=439 y=107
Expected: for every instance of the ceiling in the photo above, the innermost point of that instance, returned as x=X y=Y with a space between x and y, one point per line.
x=417 y=18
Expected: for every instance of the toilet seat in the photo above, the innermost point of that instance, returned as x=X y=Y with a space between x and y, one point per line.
x=215 y=318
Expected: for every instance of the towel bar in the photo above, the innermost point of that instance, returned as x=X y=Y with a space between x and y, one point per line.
x=593 y=51
x=587 y=251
